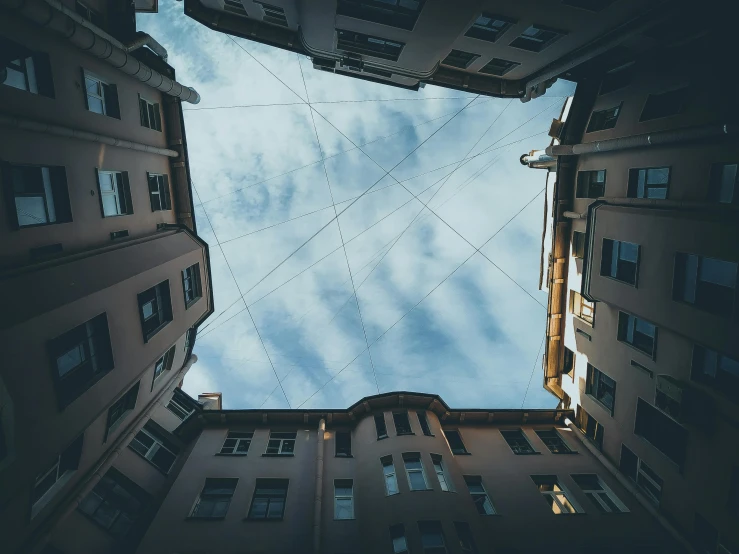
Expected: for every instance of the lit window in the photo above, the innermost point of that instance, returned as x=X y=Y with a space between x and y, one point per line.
x=155 y=309
x=663 y=432
x=584 y=309
x=415 y=472
x=388 y=470
x=648 y=481
x=597 y=491
x=115 y=503
x=343 y=444
x=489 y=27
x=652 y=182
x=717 y=370
x=601 y=387
x=191 y=284
x=554 y=442
x=215 y=498
x=397 y=536
x=380 y=426
x=395 y=13
x=479 y=495
x=39 y=194
x=101 y=96
x=460 y=59
x=159 y=196
x=402 y=423
x=151 y=444
x=723 y=184
x=455 y=442
x=50 y=481
x=536 y=38
x=269 y=499
x=664 y=104
x=604 y=119
x=518 y=442
x=498 y=67
x=640 y=334
x=120 y=410
x=351 y=41
x=620 y=260
x=432 y=537
x=149 y=114
x=444 y=481
x=281 y=443
x=343 y=499
x=424 y=423
x=591 y=184
x=707 y=283
x=589 y=426
x=115 y=193
x=237 y=443
x=163 y=364
x=554 y=494
x=465 y=537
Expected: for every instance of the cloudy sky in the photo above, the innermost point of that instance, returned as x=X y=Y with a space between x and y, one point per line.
x=438 y=315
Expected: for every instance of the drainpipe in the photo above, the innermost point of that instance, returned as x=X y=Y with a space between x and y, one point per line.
x=660 y=138
x=627 y=484
x=144 y=39
x=93 y=40
x=81 y=489
x=317 y=508
x=60 y=131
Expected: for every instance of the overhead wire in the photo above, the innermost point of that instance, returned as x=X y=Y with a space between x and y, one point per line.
x=533 y=369
x=420 y=99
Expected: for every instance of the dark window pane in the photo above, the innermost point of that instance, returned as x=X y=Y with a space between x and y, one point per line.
x=380 y=426
x=455 y=442
x=402 y=423
x=664 y=104
x=663 y=432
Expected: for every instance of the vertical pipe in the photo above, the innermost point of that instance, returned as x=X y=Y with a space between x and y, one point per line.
x=319 y=489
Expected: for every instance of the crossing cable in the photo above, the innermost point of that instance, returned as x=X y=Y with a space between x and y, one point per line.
x=424 y=298
x=239 y=290
x=533 y=370
x=328 y=102
x=338 y=225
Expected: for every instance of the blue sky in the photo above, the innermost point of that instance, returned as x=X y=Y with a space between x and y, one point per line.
x=475 y=340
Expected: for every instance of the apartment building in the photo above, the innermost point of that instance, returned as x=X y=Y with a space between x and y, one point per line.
x=503 y=48
x=640 y=259
x=104 y=278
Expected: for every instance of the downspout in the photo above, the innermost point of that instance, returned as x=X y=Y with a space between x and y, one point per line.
x=89 y=38
x=318 y=507
x=81 y=489
x=627 y=484
x=68 y=132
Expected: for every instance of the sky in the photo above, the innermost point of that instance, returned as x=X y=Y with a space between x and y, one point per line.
x=447 y=294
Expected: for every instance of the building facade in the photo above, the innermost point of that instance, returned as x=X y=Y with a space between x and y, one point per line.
x=640 y=259
x=104 y=278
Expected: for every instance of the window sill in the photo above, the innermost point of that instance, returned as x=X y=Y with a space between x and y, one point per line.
x=153 y=333
x=115 y=215
x=527 y=453
x=583 y=321
x=565 y=453
x=403 y=434
x=152 y=464
x=608 y=410
x=423 y=490
x=278 y=455
x=461 y=454
x=382 y=438
x=635 y=285
x=652 y=356
x=192 y=302
x=429 y=435
x=202 y=518
x=263 y=519
x=230 y=455
x=343 y=456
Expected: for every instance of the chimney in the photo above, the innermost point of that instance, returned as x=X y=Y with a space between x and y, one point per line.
x=210 y=400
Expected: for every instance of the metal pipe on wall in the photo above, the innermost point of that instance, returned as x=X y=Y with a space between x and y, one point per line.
x=318 y=506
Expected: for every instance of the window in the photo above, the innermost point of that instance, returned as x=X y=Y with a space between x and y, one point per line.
x=343 y=444
x=723 y=184
x=568 y=363
x=432 y=537
x=152 y=444
x=554 y=442
x=640 y=334
x=149 y=113
x=39 y=194
x=578 y=244
x=663 y=432
x=597 y=491
x=191 y=284
x=343 y=499
x=376 y=47
x=648 y=481
x=51 y=480
x=155 y=309
x=617 y=78
x=444 y=481
x=464 y=536
x=402 y=423
x=26 y=70
x=664 y=104
x=269 y=499
x=581 y=308
x=178 y=408
x=620 y=260
x=479 y=495
x=499 y=67
x=115 y=503
x=591 y=184
x=455 y=442
x=380 y=426
x=100 y=96
x=652 y=182
x=89 y=14
x=424 y=423
x=123 y=233
x=397 y=536
x=388 y=470
x=489 y=27
x=115 y=193
x=281 y=443
x=395 y=13
x=536 y=38
x=518 y=442
x=159 y=196
x=554 y=494
x=589 y=426
x=415 y=472
x=460 y=59
x=237 y=443
x=215 y=498
x=707 y=283
x=602 y=388
x=234 y=6
x=80 y=357
x=273 y=14
x=120 y=410
x=163 y=364
x=714 y=369
x=604 y=119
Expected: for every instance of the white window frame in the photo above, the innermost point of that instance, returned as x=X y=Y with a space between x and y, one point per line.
x=484 y=493
x=582 y=308
x=184 y=409
x=112 y=176
x=27 y=67
x=408 y=472
x=61 y=480
x=155 y=107
x=400 y=547
x=282 y=444
x=101 y=82
x=441 y=473
x=595 y=495
x=338 y=497
x=154 y=448
x=239 y=441
x=644 y=475
x=389 y=476
x=555 y=496
x=159 y=177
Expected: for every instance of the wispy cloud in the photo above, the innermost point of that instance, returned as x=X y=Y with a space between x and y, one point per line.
x=473 y=340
